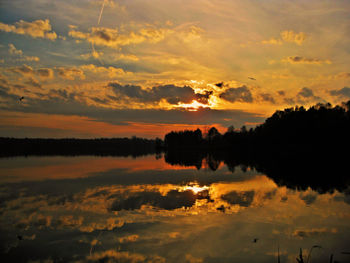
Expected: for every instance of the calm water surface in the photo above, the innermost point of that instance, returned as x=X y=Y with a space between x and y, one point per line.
x=112 y=209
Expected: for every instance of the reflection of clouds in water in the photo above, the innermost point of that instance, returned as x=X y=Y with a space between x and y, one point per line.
x=343 y=197
x=172 y=200
x=148 y=218
x=239 y=198
x=192 y=259
x=125 y=257
x=305 y=233
x=308 y=197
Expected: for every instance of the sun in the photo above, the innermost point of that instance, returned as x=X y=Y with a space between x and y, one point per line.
x=193 y=106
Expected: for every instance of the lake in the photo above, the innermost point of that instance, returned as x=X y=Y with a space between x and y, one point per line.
x=119 y=209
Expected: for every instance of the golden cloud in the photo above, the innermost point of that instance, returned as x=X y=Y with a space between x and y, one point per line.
x=35 y=29
x=287 y=36
x=112 y=72
x=70 y=73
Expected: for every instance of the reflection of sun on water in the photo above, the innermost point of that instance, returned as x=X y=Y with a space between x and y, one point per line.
x=195 y=188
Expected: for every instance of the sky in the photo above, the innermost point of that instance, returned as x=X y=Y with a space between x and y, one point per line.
x=116 y=68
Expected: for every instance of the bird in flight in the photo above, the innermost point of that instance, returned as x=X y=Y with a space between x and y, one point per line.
x=21 y=98
x=251 y=78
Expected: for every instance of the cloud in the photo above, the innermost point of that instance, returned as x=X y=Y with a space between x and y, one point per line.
x=35 y=29
x=17 y=52
x=342 y=75
x=23 y=70
x=147 y=120
x=128 y=57
x=344 y=92
x=306 y=93
x=302 y=60
x=112 y=72
x=14 y=51
x=70 y=73
x=287 y=36
x=272 y=41
x=112 y=37
x=267 y=98
x=240 y=94
x=281 y=93
x=291 y=36
x=93 y=54
x=30 y=58
x=170 y=93
x=203 y=98
x=26 y=70
x=33 y=82
x=45 y=73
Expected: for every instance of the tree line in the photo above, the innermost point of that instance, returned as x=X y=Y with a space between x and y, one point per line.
x=321 y=124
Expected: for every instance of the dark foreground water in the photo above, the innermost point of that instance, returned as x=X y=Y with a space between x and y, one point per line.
x=112 y=209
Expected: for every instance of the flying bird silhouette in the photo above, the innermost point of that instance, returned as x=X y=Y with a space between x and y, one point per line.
x=251 y=78
x=21 y=98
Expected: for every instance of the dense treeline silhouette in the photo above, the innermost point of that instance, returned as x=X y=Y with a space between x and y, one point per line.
x=296 y=147
x=320 y=125
x=116 y=146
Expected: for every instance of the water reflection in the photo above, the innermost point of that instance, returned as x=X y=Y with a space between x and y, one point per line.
x=101 y=209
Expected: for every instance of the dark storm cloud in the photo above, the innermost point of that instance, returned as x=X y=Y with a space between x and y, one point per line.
x=344 y=92
x=240 y=94
x=171 y=93
x=239 y=198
